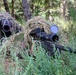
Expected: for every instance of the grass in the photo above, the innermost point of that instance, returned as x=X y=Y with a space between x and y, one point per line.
x=62 y=64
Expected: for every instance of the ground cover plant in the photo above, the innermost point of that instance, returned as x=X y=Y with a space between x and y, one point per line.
x=42 y=64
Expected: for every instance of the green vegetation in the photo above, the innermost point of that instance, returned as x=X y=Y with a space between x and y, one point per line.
x=62 y=64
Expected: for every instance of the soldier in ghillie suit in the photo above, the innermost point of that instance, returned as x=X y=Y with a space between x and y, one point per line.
x=36 y=22
x=23 y=40
x=8 y=25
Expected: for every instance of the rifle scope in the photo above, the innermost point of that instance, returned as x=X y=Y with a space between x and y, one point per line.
x=47 y=37
x=39 y=33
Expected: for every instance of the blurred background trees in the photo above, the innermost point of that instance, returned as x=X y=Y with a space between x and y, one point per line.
x=26 y=9
x=44 y=8
x=6 y=5
x=49 y=9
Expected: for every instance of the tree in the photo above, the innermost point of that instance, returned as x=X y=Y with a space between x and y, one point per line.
x=26 y=9
x=6 y=6
x=64 y=9
x=12 y=2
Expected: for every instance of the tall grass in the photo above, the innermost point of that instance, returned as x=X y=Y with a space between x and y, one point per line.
x=42 y=64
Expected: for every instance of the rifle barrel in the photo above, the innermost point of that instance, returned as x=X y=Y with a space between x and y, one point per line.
x=6 y=25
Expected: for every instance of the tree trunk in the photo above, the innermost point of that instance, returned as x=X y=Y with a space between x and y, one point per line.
x=13 y=8
x=64 y=9
x=26 y=9
x=32 y=6
x=6 y=6
x=47 y=2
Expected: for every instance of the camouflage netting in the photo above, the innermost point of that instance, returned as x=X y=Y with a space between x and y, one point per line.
x=15 y=26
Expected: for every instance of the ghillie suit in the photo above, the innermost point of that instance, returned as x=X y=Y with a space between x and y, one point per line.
x=8 y=25
x=22 y=40
x=36 y=22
